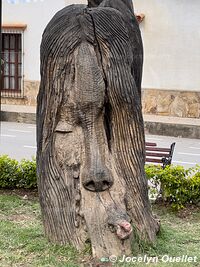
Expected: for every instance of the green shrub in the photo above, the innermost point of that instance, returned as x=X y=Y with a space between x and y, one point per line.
x=179 y=186
x=28 y=174
x=14 y=174
x=9 y=172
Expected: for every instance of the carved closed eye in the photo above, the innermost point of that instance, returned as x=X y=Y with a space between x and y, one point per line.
x=64 y=127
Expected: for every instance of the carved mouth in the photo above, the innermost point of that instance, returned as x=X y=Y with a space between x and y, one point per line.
x=124 y=230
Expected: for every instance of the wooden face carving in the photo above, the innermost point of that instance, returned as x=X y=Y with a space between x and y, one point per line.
x=82 y=153
x=80 y=134
x=90 y=134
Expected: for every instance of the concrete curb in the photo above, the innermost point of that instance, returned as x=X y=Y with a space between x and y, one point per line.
x=187 y=130
x=18 y=117
x=171 y=129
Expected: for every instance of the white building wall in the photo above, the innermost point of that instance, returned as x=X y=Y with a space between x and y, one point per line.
x=171 y=35
x=36 y=15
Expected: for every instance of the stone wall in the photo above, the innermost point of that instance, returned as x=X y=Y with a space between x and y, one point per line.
x=184 y=104
x=30 y=95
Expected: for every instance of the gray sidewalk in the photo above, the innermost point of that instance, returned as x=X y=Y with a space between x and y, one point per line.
x=159 y=125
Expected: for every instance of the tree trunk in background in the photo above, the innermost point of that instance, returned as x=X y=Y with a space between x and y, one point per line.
x=90 y=132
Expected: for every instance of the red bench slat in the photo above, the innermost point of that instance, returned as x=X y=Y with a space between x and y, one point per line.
x=160 y=155
x=150 y=144
x=159 y=149
x=154 y=160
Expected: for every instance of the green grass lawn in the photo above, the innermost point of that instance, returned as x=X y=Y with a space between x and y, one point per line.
x=22 y=241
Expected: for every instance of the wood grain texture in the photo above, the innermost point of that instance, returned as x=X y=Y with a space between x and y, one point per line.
x=90 y=132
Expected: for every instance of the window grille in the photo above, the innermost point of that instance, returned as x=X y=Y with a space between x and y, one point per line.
x=12 y=70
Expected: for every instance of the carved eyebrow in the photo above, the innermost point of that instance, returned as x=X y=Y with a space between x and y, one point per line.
x=63 y=127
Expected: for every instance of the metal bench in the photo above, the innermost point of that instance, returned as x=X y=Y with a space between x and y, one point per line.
x=159 y=155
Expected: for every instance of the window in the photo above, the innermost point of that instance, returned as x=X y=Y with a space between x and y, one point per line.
x=12 y=62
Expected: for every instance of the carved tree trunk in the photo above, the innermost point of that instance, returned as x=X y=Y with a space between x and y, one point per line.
x=90 y=132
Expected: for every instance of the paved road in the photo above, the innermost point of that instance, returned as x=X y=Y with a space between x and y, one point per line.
x=19 y=141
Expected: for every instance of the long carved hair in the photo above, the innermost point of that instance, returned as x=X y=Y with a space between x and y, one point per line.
x=119 y=50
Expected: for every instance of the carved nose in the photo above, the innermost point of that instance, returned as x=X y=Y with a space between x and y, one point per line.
x=98 y=182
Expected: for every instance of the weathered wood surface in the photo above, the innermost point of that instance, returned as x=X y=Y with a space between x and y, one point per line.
x=90 y=132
